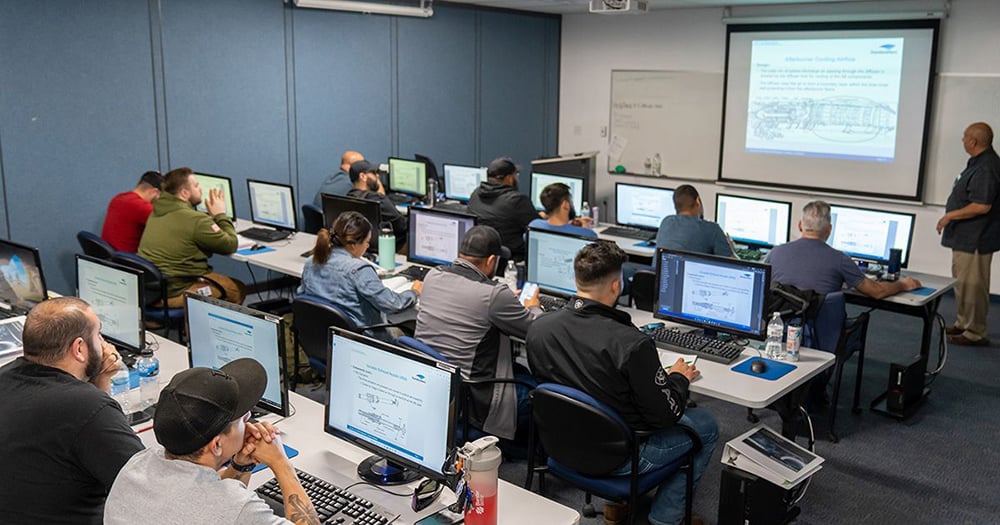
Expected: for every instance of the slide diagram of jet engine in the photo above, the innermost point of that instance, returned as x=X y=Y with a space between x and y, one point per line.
x=835 y=119
x=379 y=421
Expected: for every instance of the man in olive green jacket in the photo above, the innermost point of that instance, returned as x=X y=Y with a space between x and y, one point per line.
x=179 y=240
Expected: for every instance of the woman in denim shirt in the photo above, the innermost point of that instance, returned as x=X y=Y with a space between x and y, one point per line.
x=336 y=272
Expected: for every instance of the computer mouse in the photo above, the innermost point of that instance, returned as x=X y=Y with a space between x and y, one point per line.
x=758 y=366
x=256 y=247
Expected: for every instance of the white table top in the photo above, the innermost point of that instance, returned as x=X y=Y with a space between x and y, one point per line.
x=626 y=244
x=938 y=283
x=336 y=460
x=287 y=255
x=719 y=381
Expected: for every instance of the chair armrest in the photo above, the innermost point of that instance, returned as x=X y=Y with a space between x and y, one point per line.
x=382 y=325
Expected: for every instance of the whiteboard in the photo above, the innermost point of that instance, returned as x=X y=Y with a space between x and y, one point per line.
x=670 y=116
x=959 y=101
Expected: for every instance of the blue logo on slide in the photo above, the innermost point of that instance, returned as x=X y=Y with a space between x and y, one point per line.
x=888 y=46
x=420 y=377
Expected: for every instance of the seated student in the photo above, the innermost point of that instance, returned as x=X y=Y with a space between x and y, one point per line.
x=468 y=317
x=498 y=204
x=591 y=346
x=338 y=183
x=688 y=231
x=64 y=438
x=367 y=186
x=201 y=424
x=338 y=273
x=128 y=212
x=810 y=263
x=562 y=217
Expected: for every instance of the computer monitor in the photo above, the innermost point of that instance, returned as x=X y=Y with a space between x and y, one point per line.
x=550 y=260
x=869 y=234
x=713 y=293
x=396 y=403
x=273 y=204
x=642 y=207
x=460 y=181
x=115 y=294
x=432 y=172
x=334 y=205
x=435 y=235
x=577 y=188
x=220 y=332
x=758 y=223
x=209 y=182
x=407 y=176
x=22 y=284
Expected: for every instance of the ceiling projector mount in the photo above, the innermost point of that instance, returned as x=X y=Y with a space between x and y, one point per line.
x=619 y=7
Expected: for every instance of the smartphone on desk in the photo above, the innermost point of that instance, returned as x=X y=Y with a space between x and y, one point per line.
x=527 y=291
x=442 y=517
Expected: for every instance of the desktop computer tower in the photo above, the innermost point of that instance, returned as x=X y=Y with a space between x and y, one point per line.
x=906 y=384
x=745 y=499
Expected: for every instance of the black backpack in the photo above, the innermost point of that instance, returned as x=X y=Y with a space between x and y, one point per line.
x=791 y=302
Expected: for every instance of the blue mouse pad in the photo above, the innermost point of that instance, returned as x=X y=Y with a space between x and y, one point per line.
x=923 y=291
x=248 y=251
x=645 y=244
x=289 y=451
x=775 y=369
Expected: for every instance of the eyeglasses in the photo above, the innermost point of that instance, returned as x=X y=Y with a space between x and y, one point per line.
x=424 y=494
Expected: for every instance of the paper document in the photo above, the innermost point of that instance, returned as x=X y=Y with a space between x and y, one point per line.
x=668 y=358
x=398 y=284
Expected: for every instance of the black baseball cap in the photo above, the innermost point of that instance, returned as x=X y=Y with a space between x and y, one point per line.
x=502 y=167
x=483 y=241
x=199 y=403
x=359 y=167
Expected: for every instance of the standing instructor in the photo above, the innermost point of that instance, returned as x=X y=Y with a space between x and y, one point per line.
x=971 y=228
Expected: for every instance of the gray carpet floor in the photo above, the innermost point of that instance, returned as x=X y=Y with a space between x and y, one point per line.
x=940 y=466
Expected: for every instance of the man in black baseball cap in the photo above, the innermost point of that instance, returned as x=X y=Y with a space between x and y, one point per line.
x=368 y=186
x=498 y=203
x=202 y=423
x=469 y=318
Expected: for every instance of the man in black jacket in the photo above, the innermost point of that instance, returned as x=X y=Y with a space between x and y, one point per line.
x=591 y=346
x=367 y=186
x=497 y=203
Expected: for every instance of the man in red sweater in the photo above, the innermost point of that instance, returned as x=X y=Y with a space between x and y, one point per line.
x=128 y=212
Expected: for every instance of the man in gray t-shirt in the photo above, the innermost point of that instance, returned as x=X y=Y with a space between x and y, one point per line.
x=201 y=423
x=688 y=231
x=811 y=264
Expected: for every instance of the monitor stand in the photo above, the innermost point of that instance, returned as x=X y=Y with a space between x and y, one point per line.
x=381 y=471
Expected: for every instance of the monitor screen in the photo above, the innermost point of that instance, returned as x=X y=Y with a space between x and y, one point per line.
x=710 y=292
x=218 y=182
x=115 y=294
x=272 y=204
x=220 y=332
x=334 y=205
x=407 y=176
x=23 y=285
x=757 y=222
x=869 y=234
x=642 y=206
x=435 y=235
x=393 y=402
x=550 y=260
x=461 y=181
x=539 y=181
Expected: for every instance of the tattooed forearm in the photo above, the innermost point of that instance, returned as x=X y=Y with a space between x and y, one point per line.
x=300 y=511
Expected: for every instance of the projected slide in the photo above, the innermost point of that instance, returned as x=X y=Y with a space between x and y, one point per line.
x=825 y=97
x=722 y=294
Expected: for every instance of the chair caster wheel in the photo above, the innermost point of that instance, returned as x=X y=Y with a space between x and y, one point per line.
x=589 y=511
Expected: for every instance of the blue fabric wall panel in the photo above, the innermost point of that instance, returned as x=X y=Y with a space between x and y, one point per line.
x=224 y=70
x=77 y=118
x=437 y=86
x=343 y=88
x=514 y=90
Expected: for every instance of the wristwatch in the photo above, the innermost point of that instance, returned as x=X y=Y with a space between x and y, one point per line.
x=241 y=468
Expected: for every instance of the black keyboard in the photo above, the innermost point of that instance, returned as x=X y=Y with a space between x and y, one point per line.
x=401 y=198
x=332 y=503
x=265 y=234
x=452 y=206
x=550 y=303
x=691 y=343
x=417 y=273
x=629 y=233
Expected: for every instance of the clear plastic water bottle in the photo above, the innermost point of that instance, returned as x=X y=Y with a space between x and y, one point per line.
x=510 y=276
x=585 y=212
x=657 y=165
x=120 y=387
x=148 y=367
x=774 y=349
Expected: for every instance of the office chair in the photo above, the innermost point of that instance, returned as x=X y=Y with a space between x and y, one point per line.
x=94 y=246
x=312 y=218
x=584 y=440
x=643 y=290
x=155 y=291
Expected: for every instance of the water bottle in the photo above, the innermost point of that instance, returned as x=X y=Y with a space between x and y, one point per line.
x=387 y=248
x=775 y=330
x=585 y=212
x=510 y=276
x=657 y=164
x=793 y=340
x=595 y=214
x=148 y=367
x=120 y=386
x=431 y=198
x=483 y=464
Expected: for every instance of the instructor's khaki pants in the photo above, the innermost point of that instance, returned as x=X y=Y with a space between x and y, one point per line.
x=972 y=291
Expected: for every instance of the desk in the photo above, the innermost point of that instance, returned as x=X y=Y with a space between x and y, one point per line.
x=629 y=245
x=336 y=460
x=286 y=257
x=922 y=306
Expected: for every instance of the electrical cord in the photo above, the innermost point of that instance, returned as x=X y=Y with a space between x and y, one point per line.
x=942 y=351
x=383 y=489
x=812 y=448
